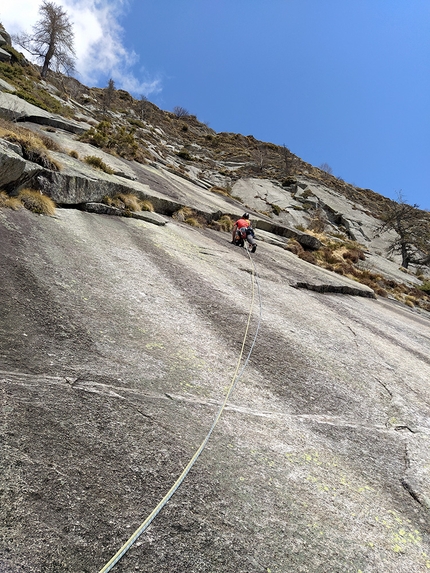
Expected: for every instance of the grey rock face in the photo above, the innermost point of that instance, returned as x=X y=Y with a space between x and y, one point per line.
x=304 y=239
x=4 y=56
x=102 y=209
x=77 y=183
x=360 y=226
x=14 y=108
x=118 y=339
x=13 y=167
x=67 y=141
x=274 y=209
x=149 y=217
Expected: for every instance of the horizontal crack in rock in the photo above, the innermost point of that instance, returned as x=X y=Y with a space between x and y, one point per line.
x=340 y=289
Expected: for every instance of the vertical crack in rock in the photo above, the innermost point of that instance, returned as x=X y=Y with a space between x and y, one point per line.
x=407 y=457
x=384 y=386
x=406 y=482
x=411 y=491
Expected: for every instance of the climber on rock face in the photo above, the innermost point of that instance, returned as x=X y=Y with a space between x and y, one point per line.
x=242 y=231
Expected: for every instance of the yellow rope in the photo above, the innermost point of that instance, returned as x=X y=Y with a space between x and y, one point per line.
x=190 y=464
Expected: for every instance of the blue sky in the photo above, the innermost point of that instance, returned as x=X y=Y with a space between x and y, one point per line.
x=343 y=82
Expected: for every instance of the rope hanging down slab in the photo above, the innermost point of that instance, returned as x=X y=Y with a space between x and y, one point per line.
x=236 y=376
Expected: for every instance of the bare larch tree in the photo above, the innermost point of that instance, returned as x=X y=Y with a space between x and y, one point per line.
x=412 y=227
x=51 y=40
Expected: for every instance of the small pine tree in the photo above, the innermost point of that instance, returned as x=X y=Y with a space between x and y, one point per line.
x=108 y=95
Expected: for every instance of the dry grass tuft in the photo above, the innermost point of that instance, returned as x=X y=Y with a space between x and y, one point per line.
x=294 y=247
x=34 y=147
x=220 y=190
x=50 y=143
x=131 y=202
x=308 y=257
x=98 y=163
x=10 y=202
x=194 y=222
x=354 y=255
x=36 y=202
x=327 y=255
x=224 y=223
x=190 y=217
x=125 y=201
x=318 y=222
x=128 y=202
x=146 y=205
x=183 y=214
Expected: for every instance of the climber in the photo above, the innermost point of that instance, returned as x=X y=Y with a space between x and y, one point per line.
x=243 y=230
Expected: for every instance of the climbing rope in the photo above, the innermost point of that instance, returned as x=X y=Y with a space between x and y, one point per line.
x=236 y=377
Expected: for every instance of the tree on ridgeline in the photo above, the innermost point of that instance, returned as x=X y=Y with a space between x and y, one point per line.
x=287 y=158
x=108 y=95
x=52 y=39
x=144 y=107
x=326 y=168
x=260 y=157
x=180 y=112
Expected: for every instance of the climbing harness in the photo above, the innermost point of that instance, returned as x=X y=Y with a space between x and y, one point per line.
x=236 y=377
x=245 y=235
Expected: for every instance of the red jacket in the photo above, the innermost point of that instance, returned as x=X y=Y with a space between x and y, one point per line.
x=242 y=223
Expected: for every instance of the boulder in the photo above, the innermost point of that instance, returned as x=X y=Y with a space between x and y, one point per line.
x=261 y=194
x=320 y=280
x=355 y=229
x=73 y=187
x=307 y=241
x=13 y=167
x=271 y=239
